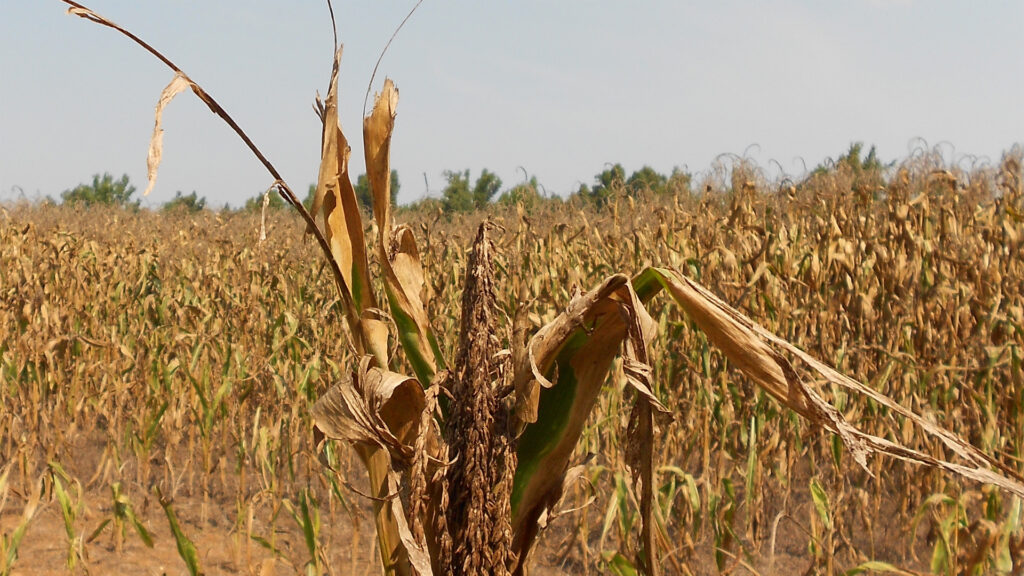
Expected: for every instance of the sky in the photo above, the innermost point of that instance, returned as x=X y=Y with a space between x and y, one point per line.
x=555 y=90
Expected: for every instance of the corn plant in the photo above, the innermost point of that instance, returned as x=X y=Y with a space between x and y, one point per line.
x=70 y=509
x=122 y=515
x=9 y=543
x=467 y=454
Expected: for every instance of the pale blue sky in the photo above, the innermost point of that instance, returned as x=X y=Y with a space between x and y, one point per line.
x=558 y=88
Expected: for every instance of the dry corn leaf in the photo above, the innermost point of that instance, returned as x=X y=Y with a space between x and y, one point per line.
x=405 y=286
x=377 y=130
x=380 y=412
x=545 y=343
x=417 y=551
x=342 y=223
x=156 y=142
x=373 y=406
x=746 y=345
x=400 y=260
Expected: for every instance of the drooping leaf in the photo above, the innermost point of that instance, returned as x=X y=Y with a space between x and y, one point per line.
x=544 y=345
x=577 y=348
x=156 y=143
x=751 y=348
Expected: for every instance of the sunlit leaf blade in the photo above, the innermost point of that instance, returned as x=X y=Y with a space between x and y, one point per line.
x=343 y=226
x=400 y=260
x=619 y=564
x=405 y=287
x=581 y=358
x=877 y=567
x=821 y=503
x=377 y=130
x=544 y=345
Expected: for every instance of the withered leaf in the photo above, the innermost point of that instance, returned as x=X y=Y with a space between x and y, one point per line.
x=156 y=143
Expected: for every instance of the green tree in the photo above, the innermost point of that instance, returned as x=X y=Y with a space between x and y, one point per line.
x=679 y=182
x=647 y=178
x=457 y=196
x=487 y=185
x=103 y=190
x=868 y=172
x=852 y=160
x=183 y=203
x=365 y=196
x=310 y=196
x=609 y=181
x=527 y=194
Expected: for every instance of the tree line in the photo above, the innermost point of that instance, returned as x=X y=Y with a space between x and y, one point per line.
x=462 y=193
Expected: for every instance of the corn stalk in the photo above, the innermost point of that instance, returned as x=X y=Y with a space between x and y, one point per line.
x=466 y=462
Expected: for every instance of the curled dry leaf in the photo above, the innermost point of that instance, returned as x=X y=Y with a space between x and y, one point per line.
x=156 y=142
x=373 y=406
x=375 y=409
x=377 y=130
x=543 y=346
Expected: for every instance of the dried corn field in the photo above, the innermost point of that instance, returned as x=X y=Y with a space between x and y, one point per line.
x=158 y=367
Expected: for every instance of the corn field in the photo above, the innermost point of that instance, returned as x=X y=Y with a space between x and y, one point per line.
x=143 y=351
x=829 y=383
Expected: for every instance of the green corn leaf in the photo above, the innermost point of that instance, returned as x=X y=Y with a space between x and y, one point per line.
x=140 y=528
x=99 y=530
x=402 y=271
x=876 y=567
x=266 y=544
x=404 y=286
x=941 y=560
x=619 y=564
x=66 y=508
x=309 y=527
x=821 y=503
x=186 y=549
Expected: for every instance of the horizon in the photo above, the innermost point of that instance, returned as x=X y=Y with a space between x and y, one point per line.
x=783 y=83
